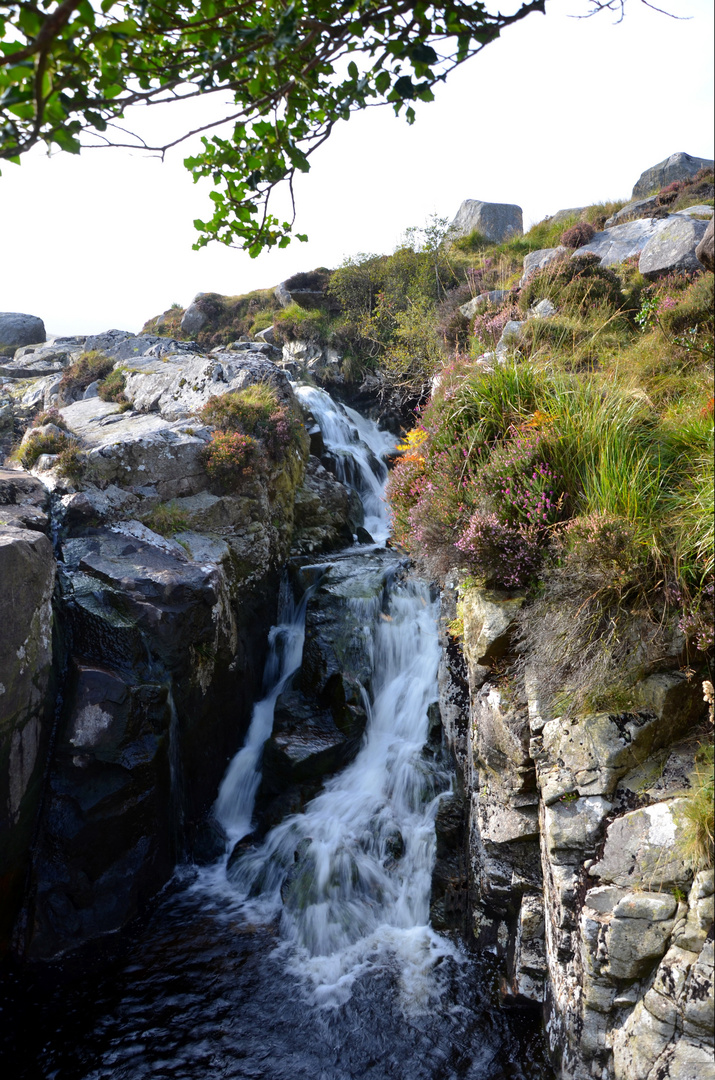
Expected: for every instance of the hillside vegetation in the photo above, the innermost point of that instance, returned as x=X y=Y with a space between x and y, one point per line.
x=577 y=465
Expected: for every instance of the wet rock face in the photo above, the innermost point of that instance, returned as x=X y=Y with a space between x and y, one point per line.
x=320 y=719
x=27 y=580
x=166 y=635
x=577 y=875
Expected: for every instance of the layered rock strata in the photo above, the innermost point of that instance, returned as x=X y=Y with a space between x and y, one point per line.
x=576 y=876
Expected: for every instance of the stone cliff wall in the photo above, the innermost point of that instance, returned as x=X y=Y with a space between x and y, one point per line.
x=113 y=743
x=575 y=869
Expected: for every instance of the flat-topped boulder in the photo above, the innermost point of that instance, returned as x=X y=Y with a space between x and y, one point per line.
x=494 y=221
x=679 y=166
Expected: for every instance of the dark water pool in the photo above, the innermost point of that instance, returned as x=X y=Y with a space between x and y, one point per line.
x=198 y=993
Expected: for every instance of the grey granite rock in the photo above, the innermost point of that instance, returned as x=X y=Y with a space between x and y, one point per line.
x=193 y=319
x=705 y=251
x=672 y=247
x=539 y=260
x=494 y=221
x=480 y=303
x=615 y=245
x=639 y=208
x=679 y=166
x=18 y=329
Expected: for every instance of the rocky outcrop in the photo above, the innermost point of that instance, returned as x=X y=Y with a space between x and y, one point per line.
x=165 y=635
x=577 y=876
x=319 y=720
x=27 y=580
x=679 y=166
x=494 y=221
x=705 y=251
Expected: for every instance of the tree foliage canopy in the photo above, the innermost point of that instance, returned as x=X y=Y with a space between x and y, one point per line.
x=282 y=73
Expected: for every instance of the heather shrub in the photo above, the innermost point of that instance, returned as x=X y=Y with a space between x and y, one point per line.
x=577 y=286
x=690 y=309
x=601 y=609
x=77 y=377
x=500 y=555
x=44 y=442
x=71 y=462
x=255 y=411
x=111 y=388
x=229 y=457
x=50 y=416
x=488 y=327
x=577 y=235
x=451 y=325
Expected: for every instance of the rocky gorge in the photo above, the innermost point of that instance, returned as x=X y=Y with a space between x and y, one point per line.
x=141 y=576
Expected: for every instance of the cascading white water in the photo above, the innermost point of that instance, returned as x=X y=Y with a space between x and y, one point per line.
x=237 y=793
x=358 y=447
x=351 y=876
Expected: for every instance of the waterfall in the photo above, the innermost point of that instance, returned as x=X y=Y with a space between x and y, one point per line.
x=350 y=877
x=357 y=446
x=237 y=793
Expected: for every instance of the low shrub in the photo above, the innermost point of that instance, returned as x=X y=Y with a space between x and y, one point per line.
x=71 y=462
x=229 y=457
x=296 y=323
x=576 y=286
x=698 y=814
x=498 y=554
x=255 y=411
x=44 y=442
x=50 y=416
x=577 y=235
x=167 y=519
x=112 y=386
x=599 y=617
x=88 y=368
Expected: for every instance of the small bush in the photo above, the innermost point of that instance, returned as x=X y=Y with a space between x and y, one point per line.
x=576 y=287
x=500 y=555
x=44 y=443
x=255 y=411
x=296 y=323
x=111 y=388
x=577 y=235
x=71 y=462
x=167 y=519
x=228 y=458
x=50 y=416
x=77 y=377
x=600 y=610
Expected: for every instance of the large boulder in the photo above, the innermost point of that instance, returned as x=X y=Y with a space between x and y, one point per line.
x=705 y=251
x=613 y=246
x=678 y=166
x=18 y=329
x=495 y=221
x=672 y=248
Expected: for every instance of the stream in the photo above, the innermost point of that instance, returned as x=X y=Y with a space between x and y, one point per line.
x=307 y=952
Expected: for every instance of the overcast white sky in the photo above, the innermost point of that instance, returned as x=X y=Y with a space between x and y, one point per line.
x=558 y=112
